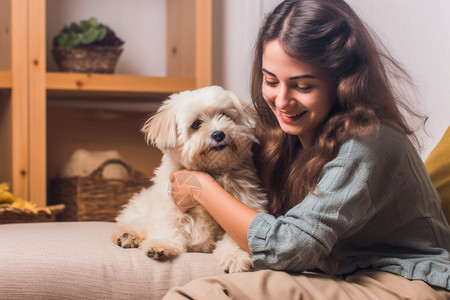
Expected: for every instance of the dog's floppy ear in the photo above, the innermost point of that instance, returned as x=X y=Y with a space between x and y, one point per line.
x=246 y=110
x=161 y=129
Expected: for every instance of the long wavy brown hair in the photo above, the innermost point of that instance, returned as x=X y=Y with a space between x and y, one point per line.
x=328 y=34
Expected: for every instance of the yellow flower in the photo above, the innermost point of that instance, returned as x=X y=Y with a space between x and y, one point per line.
x=7 y=199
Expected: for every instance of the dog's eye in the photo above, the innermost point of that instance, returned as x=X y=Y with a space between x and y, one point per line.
x=196 y=125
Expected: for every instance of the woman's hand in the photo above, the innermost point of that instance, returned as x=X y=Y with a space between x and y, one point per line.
x=192 y=188
x=187 y=188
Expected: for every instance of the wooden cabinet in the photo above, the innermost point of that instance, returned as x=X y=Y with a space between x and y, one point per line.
x=26 y=86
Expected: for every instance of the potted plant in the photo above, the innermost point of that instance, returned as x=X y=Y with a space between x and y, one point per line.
x=87 y=46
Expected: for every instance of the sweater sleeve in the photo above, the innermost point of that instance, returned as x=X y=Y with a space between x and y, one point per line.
x=302 y=238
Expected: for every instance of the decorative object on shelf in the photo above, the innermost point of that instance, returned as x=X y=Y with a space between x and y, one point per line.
x=17 y=210
x=93 y=197
x=87 y=47
x=83 y=162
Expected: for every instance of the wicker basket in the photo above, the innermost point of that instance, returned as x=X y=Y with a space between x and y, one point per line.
x=94 y=198
x=16 y=215
x=97 y=59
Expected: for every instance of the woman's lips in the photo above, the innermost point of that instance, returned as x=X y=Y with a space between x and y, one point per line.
x=291 y=117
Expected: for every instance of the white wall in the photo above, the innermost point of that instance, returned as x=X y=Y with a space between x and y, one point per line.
x=416 y=32
x=236 y=25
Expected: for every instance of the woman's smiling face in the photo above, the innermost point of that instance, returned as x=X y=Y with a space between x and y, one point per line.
x=300 y=95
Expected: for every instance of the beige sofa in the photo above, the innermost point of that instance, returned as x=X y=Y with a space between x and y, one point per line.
x=77 y=260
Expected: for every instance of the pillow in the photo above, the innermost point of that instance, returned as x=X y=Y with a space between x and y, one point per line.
x=438 y=167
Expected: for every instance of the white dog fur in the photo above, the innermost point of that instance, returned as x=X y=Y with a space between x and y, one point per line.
x=211 y=130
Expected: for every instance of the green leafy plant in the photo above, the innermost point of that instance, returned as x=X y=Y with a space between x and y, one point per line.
x=84 y=34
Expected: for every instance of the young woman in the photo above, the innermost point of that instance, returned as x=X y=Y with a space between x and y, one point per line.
x=353 y=214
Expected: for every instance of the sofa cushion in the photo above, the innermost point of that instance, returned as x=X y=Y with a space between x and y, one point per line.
x=438 y=167
x=78 y=260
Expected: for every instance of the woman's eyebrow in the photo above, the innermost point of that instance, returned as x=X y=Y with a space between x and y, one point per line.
x=270 y=73
x=290 y=78
x=302 y=76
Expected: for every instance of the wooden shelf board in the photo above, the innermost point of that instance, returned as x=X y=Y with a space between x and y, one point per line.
x=106 y=95
x=114 y=84
x=5 y=80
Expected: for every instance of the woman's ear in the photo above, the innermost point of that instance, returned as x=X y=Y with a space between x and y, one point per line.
x=161 y=129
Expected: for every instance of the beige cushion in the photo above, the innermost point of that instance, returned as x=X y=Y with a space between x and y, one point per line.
x=77 y=260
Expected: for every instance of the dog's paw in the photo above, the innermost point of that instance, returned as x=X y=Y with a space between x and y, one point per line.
x=231 y=257
x=160 y=250
x=234 y=261
x=126 y=238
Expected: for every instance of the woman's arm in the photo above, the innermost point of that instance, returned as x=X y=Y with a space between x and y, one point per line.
x=190 y=188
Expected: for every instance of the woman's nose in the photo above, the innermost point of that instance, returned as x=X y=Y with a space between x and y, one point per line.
x=283 y=97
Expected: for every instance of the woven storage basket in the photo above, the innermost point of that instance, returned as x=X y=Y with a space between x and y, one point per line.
x=96 y=59
x=94 y=198
x=16 y=215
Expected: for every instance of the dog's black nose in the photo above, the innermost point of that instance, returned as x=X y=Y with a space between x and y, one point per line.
x=218 y=136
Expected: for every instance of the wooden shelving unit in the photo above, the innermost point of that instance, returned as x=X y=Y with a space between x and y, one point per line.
x=5 y=80
x=26 y=86
x=125 y=85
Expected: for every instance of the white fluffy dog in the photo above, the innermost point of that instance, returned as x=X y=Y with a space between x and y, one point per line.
x=209 y=129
